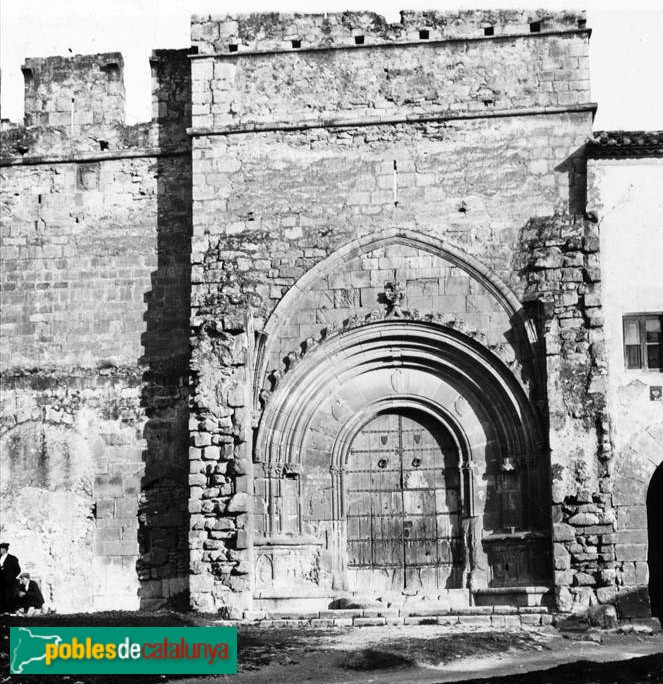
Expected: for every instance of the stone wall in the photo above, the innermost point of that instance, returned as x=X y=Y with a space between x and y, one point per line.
x=624 y=191
x=563 y=272
x=160 y=279
x=357 y=287
x=384 y=75
x=458 y=78
x=80 y=256
x=71 y=473
x=74 y=93
x=339 y=183
x=282 y=183
x=95 y=278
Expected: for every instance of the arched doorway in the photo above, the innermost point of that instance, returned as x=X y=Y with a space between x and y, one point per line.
x=655 y=538
x=403 y=506
x=398 y=456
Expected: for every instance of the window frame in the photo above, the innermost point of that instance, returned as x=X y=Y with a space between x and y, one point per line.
x=641 y=318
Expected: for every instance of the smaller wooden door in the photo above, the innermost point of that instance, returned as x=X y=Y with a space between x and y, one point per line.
x=403 y=503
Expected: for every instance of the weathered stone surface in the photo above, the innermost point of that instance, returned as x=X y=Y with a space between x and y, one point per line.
x=582 y=519
x=239 y=503
x=563 y=532
x=603 y=616
x=380 y=161
x=274 y=235
x=584 y=579
x=606 y=594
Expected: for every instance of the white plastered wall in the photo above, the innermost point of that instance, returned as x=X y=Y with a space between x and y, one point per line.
x=627 y=195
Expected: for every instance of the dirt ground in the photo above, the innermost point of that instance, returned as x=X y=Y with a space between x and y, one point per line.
x=425 y=654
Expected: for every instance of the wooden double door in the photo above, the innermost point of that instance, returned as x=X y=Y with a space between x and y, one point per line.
x=403 y=506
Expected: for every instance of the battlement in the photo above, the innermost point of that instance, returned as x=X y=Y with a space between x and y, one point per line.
x=76 y=105
x=81 y=90
x=279 y=32
x=303 y=69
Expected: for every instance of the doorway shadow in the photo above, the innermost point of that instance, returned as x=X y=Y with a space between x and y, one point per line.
x=655 y=539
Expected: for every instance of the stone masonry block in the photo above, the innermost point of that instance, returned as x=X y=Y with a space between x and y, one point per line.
x=631 y=552
x=369 y=622
x=563 y=532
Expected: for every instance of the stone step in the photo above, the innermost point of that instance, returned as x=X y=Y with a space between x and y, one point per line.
x=477 y=621
x=519 y=597
x=294 y=607
x=422 y=612
x=408 y=616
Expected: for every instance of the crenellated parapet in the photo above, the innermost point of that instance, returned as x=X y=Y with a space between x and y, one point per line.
x=265 y=72
x=80 y=90
x=75 y=110
x=280 y=31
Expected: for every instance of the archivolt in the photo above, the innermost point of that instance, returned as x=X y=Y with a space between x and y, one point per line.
x=435 y=245
x=462 y=368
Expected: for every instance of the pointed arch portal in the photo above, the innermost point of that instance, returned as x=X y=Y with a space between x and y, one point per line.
x=401 y=455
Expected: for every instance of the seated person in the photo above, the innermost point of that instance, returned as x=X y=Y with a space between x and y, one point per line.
x=28 y=594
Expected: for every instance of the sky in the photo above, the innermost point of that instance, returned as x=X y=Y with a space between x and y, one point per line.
x=626 y=48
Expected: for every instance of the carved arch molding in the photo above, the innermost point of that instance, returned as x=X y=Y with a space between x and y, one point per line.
x=434 y=376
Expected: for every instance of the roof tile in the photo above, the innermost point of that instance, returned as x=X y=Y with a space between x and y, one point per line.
x=626 y=144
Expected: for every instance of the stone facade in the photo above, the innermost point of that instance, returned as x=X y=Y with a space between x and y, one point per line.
x=334 y=232
x=96 y=237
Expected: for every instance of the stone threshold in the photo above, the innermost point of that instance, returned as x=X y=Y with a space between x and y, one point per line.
x=479 y=616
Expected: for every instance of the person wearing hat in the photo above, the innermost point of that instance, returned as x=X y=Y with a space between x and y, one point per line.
x=28 y=594
x=9 y=571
